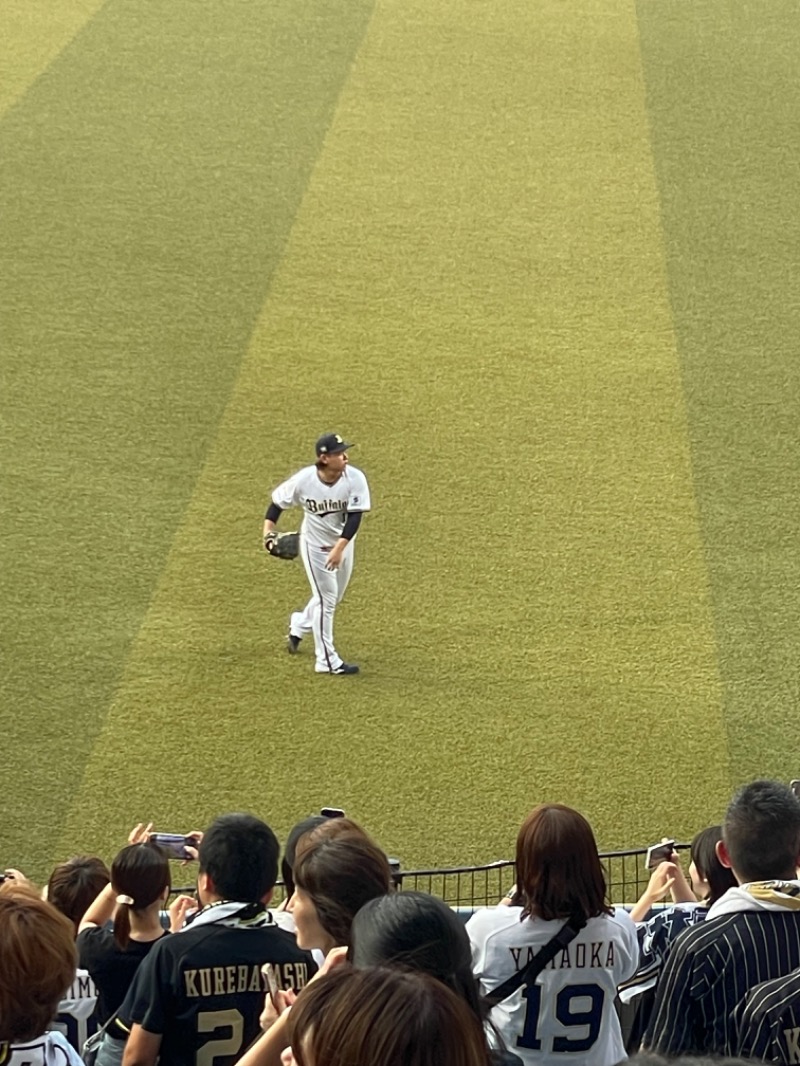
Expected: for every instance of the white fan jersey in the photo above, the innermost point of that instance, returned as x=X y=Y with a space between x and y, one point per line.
x=567 y=1017
x=76 y=1017
x=325 y=507
x=51 y=1049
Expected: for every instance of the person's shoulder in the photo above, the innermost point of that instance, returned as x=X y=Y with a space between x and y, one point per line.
x=675 y=918
x=354 y=474
x=775 y=998
x=93 y=939
x=254 y=938
x=50 y=1049
x=697 y=937
x=621 y=920
x=618 y=915
x=303 y=474
x=492 y=919
x=283 y=940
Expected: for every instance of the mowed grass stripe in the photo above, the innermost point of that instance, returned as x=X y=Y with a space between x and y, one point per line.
x=149 y=181
x=474 y=291
x=34 y=32
x=723 y=84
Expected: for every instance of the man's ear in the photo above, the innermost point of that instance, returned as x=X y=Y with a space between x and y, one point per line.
x=265 y=899
x=722 y=854
x=205 y=885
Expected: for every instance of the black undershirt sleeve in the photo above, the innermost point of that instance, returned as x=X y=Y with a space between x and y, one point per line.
x=351 y=524
x=273 y=513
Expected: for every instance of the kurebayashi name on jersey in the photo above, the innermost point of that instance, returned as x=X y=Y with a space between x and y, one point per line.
x=232 y=980
x=598 y=954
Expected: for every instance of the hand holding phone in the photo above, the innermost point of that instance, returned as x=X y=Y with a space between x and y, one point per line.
x=277 y=1001
x=658 y=853
x=268 y=971
x=174 y=844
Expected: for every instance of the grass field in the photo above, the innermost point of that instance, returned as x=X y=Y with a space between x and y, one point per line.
x=539 y=260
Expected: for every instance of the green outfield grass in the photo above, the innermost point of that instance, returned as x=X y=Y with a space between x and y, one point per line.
x=538 y=260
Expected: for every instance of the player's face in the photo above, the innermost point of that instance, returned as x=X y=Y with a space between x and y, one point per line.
x=310 y=932
x=337 y=462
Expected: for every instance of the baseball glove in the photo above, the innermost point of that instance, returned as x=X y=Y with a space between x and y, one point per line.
x=283 y=545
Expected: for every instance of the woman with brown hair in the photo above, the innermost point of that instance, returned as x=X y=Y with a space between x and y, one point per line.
x=334 y=877
x=37 y=965
x=384 y=1017
x=566 y=1013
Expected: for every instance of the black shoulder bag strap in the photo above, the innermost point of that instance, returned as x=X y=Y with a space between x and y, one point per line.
x=534 y=968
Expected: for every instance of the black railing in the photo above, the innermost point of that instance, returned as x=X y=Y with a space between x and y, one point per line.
x=483 y=886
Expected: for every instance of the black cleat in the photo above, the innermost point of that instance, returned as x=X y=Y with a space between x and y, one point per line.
x=346 y=668
x=293 y=644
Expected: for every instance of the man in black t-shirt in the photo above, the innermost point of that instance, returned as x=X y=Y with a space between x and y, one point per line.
x=198 y=995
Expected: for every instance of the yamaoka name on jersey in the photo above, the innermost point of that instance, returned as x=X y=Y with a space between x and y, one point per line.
x=598 y=954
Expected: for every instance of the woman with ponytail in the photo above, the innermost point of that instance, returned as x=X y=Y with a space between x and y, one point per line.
x=140 y=885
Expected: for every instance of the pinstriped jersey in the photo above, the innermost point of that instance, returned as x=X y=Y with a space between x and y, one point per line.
x=767 y=1021
x=710 y=970
x=325 y=507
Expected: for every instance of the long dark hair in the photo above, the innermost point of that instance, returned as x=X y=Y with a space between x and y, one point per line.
x=559 y=874
x=418 y=932
x=140 y=872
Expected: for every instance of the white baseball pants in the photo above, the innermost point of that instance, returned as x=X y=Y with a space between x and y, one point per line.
x=327 y=589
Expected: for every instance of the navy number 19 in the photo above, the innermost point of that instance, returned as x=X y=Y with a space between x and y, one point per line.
x=590 y=1018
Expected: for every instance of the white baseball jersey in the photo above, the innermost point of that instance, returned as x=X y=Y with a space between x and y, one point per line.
x=51 y=1049
x=568 y=1016
x=75 y=1018
x=325 y=506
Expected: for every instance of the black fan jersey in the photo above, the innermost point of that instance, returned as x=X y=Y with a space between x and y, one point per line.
x=203 y=990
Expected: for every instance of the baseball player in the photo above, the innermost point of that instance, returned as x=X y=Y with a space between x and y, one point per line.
x=334 y=496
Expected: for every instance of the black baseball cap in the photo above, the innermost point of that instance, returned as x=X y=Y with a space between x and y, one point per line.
x=332 y=444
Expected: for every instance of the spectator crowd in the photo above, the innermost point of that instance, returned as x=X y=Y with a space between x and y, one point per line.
x=99 y=967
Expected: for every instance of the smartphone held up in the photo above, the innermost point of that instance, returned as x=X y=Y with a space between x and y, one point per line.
x=174 y=844
x=658 y=853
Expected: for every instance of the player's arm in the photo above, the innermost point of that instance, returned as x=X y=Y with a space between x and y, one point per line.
x=270 y=522
x=142 y=1047
x=351 y=524
x=286 y=495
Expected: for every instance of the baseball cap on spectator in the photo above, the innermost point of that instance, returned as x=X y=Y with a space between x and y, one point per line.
x=332 y=444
